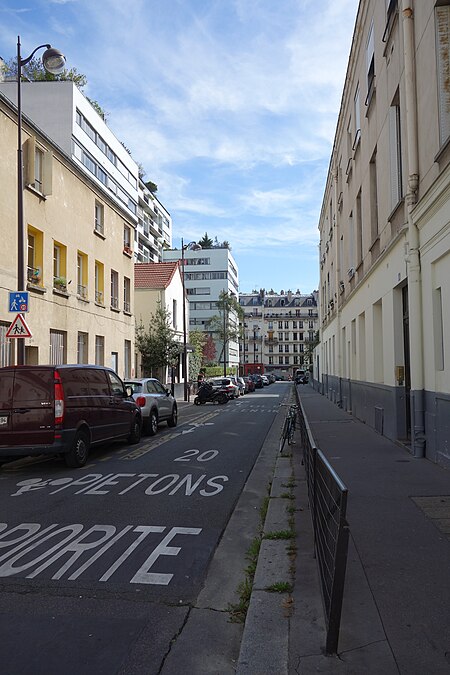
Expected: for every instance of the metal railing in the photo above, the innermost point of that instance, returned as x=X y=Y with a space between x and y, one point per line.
x=328 y=501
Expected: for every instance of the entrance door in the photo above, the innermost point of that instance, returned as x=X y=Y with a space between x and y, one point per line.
x=407 y=361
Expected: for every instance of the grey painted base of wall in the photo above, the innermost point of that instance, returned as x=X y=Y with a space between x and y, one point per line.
x=384 y=409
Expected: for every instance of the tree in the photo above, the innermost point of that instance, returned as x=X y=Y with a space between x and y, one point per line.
x=226 y=324
x=151 y=186
x=205 y=241
x=226 y=244
x=35 y=72
x=209 y=351
x=157 y=345
x=310 y=347
x=197 y=340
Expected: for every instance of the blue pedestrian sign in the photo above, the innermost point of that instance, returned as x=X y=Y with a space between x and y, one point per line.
x=18 y=301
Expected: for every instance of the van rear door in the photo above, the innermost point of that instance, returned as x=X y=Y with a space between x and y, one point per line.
x=32 y=419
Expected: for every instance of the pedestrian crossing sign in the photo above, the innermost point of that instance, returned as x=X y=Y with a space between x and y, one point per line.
x=19 y=328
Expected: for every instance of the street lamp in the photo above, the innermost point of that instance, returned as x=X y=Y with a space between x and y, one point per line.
x=53 y=61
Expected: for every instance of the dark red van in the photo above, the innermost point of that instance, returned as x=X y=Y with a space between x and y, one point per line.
x=63 y=410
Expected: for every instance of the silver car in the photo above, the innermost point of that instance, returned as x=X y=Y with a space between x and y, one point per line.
x=156 y=403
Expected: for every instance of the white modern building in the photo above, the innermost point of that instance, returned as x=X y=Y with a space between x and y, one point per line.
x=209 y=272
x=154 y=229
x=67 y=117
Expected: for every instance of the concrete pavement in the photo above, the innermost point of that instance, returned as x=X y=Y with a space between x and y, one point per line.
x=396 y=609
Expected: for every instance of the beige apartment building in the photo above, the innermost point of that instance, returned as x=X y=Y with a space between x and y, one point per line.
x=78 y=256
x=384 y=229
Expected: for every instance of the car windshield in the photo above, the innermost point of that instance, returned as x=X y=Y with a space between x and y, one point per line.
x=136 y=387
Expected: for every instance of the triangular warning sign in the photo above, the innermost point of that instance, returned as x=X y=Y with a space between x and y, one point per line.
x=19 y=328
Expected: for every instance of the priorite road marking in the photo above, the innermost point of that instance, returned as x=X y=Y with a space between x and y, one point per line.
x=29 y=549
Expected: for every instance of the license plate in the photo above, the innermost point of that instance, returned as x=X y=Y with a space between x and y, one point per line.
x=3 y=420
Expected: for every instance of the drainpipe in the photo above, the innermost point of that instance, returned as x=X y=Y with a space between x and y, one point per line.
x=413 y=243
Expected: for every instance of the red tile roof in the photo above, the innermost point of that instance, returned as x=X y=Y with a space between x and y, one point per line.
x=154 y=275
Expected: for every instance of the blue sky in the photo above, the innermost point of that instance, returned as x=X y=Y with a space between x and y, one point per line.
x=229 y=105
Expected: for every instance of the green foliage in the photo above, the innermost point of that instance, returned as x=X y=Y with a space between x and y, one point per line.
x=205 y=241
x=151 y=186
x=224 y=325
x=197 y=339
x=35 y=72
x=157 y=345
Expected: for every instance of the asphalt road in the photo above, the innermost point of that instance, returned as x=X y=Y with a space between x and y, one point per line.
x=100 y=566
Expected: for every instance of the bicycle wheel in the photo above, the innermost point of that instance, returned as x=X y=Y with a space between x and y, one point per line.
x=284 y=433
x=291 y=428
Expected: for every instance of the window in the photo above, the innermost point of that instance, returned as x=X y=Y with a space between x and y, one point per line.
x=99 y=283
x=280 y=336
x=99 y=350
x=286 y=348
x=59 y=266
x=127 y=358
x=294 y=336
x=35 y=245
x=174 y=314
x=38 y=167
x=126 y=295
x=58 y=339
x=280 y=324
x=127 y=240
x=82 y=347
x=442 y=22
x=286 y=324
x=280 y=360
x=395 y=155
x=114 y=289
x=373 y=186
x=6 y=356
x=82 y=276
x=294 y=325
x=99 y=218
x=357 y=111
x=286 y=360
x=280 y=348
x=370 y=64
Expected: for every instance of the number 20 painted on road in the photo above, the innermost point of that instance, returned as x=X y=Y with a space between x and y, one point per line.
x=205 y=456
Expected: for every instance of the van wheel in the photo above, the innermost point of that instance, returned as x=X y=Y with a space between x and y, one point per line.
x=152 y=423
x=78 y=453
x=135 y=433
x=173 y=419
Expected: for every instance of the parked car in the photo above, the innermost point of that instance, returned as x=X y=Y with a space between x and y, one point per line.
x=249 y=383
x=265 y=380
x=155 y=401
x=66 y=409
x=258 y=381
x=301 y=376
x=225 y=384
x=239 y=385
x=271 y=377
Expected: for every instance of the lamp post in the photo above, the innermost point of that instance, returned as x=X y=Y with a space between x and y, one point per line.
x=53 y=61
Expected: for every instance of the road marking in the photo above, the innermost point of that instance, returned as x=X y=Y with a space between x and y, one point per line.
x=97 y=484
x=47 y=545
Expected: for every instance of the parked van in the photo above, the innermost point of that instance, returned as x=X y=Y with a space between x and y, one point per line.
x=63 y=410
x=301 y=376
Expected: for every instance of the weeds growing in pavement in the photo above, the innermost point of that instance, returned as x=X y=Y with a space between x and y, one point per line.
x=280 y=534
x=280 y=587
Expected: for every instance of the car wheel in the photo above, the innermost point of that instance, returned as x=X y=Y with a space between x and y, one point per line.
x=136 y=428
x=222 y=398
x=173 y=419
x=78 y=453
x=196 y=401
x=152 y=423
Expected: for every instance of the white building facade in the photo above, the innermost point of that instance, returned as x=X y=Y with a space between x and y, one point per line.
x=278 y=331
x=384 y=230
x=154 y=228
x=208 y=273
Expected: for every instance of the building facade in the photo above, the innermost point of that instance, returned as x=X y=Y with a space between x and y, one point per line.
x=278 y=331
x=208 y=273
x=161 y=284
x=80 y=277
x=154 y=227
x=384 y=229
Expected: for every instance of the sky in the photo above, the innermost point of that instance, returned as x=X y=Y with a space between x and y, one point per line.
x=230 y=106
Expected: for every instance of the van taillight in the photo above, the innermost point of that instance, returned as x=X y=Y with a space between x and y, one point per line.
x=140 y=401
x=59 y=400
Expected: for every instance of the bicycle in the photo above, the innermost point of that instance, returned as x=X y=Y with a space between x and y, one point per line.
x=287 y=433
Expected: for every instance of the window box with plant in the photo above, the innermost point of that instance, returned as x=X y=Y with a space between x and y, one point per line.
x=60 y=284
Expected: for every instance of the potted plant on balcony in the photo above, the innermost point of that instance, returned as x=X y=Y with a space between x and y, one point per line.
x=60 y=283
x=127 y=249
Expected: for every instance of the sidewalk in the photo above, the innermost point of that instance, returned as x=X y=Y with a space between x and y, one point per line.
x=396 y=610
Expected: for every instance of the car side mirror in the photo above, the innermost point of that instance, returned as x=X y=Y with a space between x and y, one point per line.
x=129 y=391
